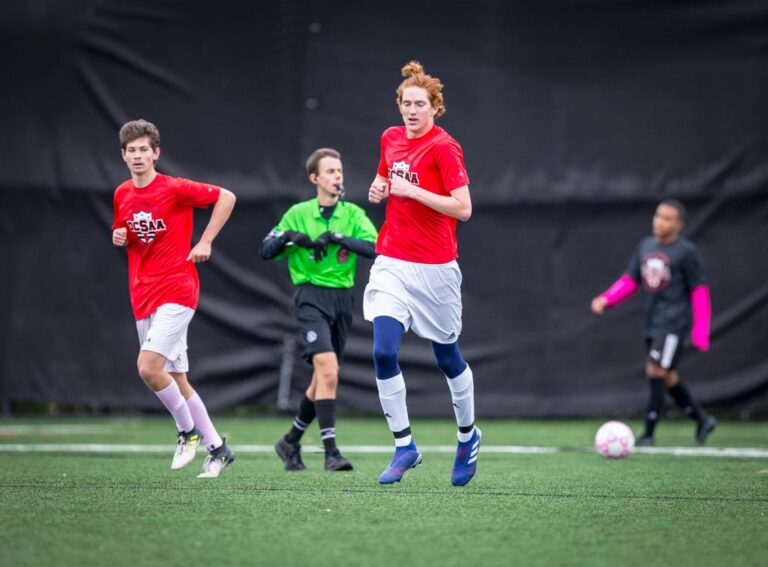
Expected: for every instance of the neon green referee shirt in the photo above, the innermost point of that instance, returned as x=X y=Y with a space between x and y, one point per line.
x=337 y=269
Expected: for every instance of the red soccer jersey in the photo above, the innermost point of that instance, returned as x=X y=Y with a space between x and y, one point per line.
x=435 y=162
x=159 y=222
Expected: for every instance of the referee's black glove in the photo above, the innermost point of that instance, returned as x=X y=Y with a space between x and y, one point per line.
x=320 y=245
x=298 y=238
x=361 y=247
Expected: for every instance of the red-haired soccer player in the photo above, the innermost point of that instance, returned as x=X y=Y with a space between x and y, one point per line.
x=415 y=282
x=153 y=221
x=667 y=265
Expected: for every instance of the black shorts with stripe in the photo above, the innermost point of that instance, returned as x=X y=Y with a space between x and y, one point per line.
x=324 y=315
x=665 y=350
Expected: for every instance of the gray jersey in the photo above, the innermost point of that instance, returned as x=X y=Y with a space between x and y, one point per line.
x=668 y=273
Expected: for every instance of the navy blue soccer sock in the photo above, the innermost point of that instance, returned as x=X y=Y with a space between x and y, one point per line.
x=387 y=336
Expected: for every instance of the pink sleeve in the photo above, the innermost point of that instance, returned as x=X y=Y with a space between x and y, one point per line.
x=620 y=291
x=702 y=314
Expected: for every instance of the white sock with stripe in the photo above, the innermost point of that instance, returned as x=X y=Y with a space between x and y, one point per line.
x=463 y=397
x=392 y=397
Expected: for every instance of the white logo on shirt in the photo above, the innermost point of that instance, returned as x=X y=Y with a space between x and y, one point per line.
x=145 y=226
x=403 y=169
x=656 y=271
x=401 y=166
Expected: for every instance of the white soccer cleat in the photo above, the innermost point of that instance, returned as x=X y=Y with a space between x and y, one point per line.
x=219 y=459
x=186 y=448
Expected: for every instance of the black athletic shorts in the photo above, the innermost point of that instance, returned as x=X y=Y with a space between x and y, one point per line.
x=324 y=315
x=665 y=350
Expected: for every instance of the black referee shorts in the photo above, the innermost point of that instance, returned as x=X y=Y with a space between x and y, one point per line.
x=324 y=315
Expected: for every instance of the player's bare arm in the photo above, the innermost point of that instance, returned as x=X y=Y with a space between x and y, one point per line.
x=120 y=236
x=457 y=205
x=378 y=190
x=219 y=216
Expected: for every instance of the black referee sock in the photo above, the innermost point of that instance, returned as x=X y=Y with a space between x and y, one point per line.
x=326 y=419
x=683 y=398
x=303 y=418
x=655 y=405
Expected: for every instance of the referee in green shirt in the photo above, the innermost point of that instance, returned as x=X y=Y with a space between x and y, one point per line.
x=321 y=238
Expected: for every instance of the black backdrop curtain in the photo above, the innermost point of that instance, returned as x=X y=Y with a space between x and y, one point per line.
x=575 y=118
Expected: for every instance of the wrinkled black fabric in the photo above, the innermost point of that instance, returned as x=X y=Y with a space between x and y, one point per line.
x=575 y=118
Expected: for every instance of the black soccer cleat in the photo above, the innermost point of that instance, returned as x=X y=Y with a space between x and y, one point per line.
x=336 y=462
x=290 y=453
x=645 y=441
x=705 y=427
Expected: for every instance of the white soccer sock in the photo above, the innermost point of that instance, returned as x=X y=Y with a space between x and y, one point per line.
x=175 y=403
x=463 y=397
x=203 y=422
x=392 y=397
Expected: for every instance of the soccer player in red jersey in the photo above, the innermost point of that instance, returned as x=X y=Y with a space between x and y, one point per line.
x=415 y=282
x=153 y=222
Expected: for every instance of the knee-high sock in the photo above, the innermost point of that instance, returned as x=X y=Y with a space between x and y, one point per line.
x=387 y=336
x=392 y=397
x=303 y=418
x=655 y=404
x=203 y=422
x=175 y=403
x=326 y=420
x=683 y=398
x=463 y=397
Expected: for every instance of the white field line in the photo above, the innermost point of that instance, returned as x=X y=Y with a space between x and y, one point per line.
x=73 y=428
x=516 y=449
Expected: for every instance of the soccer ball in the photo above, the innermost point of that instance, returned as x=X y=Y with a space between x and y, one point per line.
x=614 y=440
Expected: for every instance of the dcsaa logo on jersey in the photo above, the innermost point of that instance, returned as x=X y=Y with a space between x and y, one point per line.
x=403 y=169
x=655 y=271
x=145 y=226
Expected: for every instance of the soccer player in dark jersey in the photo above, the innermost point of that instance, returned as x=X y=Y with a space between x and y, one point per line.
x=321 y=239
x=153 y=216
x=667 y=265
x=415 y=282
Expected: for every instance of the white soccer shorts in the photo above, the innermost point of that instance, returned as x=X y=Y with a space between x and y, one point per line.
x=423 y=297
x=165 y=332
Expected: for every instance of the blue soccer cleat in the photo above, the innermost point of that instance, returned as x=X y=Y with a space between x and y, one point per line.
x=465 y=465
x=405 y=458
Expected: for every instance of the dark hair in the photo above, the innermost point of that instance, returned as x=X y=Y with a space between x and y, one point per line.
x=140 y=128
x=313 y=161
x=678 y=206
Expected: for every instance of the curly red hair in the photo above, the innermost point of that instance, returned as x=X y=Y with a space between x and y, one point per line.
x=416 y=77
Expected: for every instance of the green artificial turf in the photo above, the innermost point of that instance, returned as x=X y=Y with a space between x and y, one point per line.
x=566 y=508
